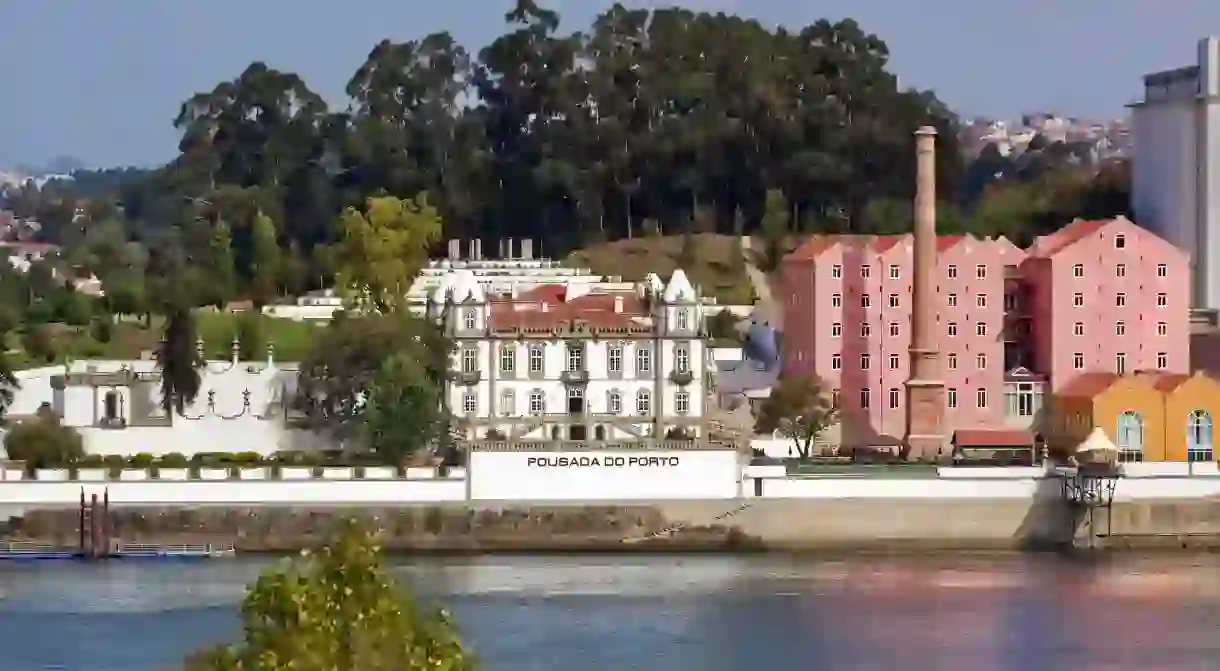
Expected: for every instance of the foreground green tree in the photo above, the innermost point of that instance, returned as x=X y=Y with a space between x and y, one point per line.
x=178 y=361
x=800 y=409
x=338 y=609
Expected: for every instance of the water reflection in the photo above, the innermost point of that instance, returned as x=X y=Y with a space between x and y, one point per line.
x=677 y=613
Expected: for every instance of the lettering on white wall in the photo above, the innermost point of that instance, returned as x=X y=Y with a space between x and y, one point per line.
x=602 y=462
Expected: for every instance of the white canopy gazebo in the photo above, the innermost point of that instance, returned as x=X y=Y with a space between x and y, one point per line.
x=1097 y=448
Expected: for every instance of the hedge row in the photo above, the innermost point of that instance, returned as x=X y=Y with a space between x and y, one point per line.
x=216 y=460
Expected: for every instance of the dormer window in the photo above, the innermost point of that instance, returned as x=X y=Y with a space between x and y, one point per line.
x=470 y=320
x=683 y=319
x=1120 y=241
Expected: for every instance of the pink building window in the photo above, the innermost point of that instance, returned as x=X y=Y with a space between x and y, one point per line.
x=893 y=399
x=1162 y=300
x=866 y=300
x=1162 y=329
x=894 y=363
x=865 y=360
x=981 y=361
x=1078 y=300
x=951 y=398
x=866 y=329
x=980 y=398
x=894 y=272
x=836 y=330
x=952 y=272
x=1120 y=363
x=1162 y=360
x=952 y=329
x=865 y=271
x=981 y=328
x=865 y=400
x=952 y=300
x=836 y=300
x=981 y=300
x=953 y=361
x=1162 y=270
x=1078 y=329
x=980 y=271
x=836 y=362
x=1120 y=328
x=1120 y=300
x=893 y=300
x=836 y=272
x=1120 y=270
x=1120 y=241
x=894 y=329
x=1078 y=271
x=1078 y=361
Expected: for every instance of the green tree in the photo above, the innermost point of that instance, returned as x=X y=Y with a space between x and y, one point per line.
x=43 y=441
x=800 y=409
x=338 y=609
x=775 y=231
x=38 y=343
x=178 y=361
x=8 y=379
x=395 y=357
x=384 y=247
x=222 y=274
x=266 y=261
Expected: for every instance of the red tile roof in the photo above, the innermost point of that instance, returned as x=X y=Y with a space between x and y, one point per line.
x=1047 y=246
x=993 y=438
x=1088 y=385
x=817 y=244
x=595 y=309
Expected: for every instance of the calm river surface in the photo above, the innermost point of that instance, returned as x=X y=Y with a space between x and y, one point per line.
x=1019 y=613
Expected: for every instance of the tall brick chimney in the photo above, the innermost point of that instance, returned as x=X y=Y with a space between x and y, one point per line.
x=925 y=402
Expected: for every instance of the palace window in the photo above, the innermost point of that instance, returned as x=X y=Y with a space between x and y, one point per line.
x=682 y=359
x=536 y=361
x=643 y=402
x=537 y=403
x=508 y=359
x=683 y=320
x=470 y=361
x=682 y=402
x=643 y=360
x=614 y=359
x=576 y=359
x=614 y=402
x=508 y=403
x=470 y=403
x=470 y=319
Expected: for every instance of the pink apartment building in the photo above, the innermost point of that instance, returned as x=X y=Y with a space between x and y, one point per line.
x=1104 y=296
x=1094 y=296
x=847 y=320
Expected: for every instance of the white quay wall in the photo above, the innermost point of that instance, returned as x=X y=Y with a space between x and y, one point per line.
x=336 y=487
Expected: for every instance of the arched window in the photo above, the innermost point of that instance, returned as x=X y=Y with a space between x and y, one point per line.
x=1199 y=436
x=1130 y=436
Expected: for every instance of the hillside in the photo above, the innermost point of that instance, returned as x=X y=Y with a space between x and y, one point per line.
x=715 y=262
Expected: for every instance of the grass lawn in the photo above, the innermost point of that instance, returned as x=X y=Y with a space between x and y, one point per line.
x=717 y=270
x=130 y=339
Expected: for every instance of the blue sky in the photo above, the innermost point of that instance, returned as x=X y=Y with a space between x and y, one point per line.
x=103 y=80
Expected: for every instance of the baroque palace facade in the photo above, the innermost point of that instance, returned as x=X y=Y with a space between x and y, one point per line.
x=576 y=362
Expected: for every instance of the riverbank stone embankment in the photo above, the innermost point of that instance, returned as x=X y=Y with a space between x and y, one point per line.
x=444 y=529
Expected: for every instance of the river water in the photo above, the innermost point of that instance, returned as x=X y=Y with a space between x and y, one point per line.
x=693 y=613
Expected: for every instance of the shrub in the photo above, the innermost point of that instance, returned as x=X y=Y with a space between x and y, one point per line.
x=173 y=460
x=44 y=442
x=141 y=460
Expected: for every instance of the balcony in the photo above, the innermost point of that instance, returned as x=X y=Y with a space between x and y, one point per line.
x=468 y=377
x=579 y=376
x=681 y=377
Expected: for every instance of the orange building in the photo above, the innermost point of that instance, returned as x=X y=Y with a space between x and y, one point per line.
x=1148 y=416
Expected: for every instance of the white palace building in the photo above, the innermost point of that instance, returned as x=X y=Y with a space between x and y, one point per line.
x=576 y=362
